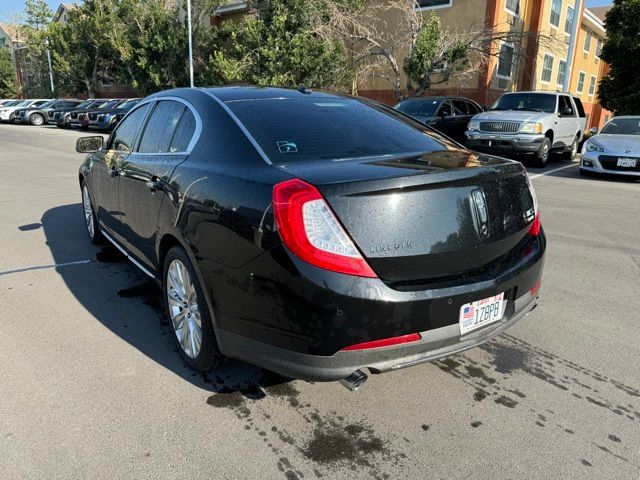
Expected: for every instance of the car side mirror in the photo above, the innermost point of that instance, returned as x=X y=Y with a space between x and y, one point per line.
x=566 y=112
x=593 y=130
x=89 y=144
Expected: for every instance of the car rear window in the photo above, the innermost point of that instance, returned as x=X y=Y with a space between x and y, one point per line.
x=315 y=128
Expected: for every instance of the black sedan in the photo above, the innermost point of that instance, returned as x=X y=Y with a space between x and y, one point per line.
x=313 y=234
x=448 y=115
x=41 y=115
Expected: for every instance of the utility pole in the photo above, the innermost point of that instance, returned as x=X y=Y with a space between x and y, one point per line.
x=190 y=43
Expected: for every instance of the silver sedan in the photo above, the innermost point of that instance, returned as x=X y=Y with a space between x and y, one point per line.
x=615 y=150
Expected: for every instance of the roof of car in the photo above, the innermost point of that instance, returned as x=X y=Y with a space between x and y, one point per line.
x=548 y=92
x=241 y=92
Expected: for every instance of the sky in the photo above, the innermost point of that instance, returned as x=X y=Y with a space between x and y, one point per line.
x=11 y=7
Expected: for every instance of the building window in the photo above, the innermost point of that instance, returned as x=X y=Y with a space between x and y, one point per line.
x=562 y=72
x=580 y=87
x=426 y=4
x=587 y=41
x=568 y=22
x=598 y=47
x=592 y=85
x=547 y=67
x=505 y=61
x=512 y=6
x=556 y=8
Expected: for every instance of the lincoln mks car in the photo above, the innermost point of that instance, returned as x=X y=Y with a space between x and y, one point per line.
x=313 y=234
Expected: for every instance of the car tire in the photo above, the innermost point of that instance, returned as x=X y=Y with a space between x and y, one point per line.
x=90 y=219
x=188 y=312
x=542 y=155
x=36 y=119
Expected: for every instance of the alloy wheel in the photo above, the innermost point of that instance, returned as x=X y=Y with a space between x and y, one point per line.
x=37 y=120
x=183 y=308
x=88 y=212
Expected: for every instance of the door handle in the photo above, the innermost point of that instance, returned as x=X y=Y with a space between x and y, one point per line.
x=154 y=184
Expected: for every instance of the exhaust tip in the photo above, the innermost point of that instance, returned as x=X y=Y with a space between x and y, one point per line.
x=354 y=381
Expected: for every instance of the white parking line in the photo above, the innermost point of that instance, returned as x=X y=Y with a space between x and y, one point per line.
x=575 y=164
x=42 y=267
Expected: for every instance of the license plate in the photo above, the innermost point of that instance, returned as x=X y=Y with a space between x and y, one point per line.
x=627 y=162
x=477 y=314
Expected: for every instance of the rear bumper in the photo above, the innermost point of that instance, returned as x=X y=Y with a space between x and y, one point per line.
x=435 y=344
x=495 y=142
x=299 y=324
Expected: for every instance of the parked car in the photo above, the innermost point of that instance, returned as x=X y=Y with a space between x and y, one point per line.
x=615 y=150
x=62 y=117
x=39 y=115
x=7 y=114
x=9 y=102
x=106 y=119
x=313 y=234
x=78 y=120
x=535 y=123
x=448 y=115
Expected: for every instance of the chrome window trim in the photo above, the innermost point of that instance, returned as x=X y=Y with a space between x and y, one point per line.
x=141 y=103
x=126 y=254
x=241 y=125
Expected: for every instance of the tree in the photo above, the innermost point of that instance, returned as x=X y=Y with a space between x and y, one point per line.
x=8 y=82
x=619 y=91
x=37 y=13
x=276 y=45
x=386 y=38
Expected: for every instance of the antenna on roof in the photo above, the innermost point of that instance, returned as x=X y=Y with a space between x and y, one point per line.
x=305 y=90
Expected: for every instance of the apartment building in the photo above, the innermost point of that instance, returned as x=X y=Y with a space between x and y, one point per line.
x=557 y=48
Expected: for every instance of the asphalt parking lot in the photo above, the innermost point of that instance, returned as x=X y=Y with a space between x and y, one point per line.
x=92 y=387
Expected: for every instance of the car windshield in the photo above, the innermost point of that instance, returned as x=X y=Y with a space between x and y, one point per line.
x=47 y=104
x=11 y=103
x=23 y=103
x=318 y=128
x=622 y=126
x=423 y=107
x=527 y=102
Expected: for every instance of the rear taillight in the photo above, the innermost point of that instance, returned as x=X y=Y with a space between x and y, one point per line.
x=386 y=342
x=311 y=231
x=534 y=229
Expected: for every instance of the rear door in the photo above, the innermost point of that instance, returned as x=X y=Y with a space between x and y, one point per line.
x=164 y=144
x=445 y=119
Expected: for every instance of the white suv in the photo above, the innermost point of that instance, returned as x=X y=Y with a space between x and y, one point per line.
x=7 y=112
x=536 y=123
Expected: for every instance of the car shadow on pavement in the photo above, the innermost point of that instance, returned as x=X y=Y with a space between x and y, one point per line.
x=129 y=304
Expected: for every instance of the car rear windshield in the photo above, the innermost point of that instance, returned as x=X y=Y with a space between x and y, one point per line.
x=622 y=126
x=316 y=128
x=528 y=102
x=423 y=108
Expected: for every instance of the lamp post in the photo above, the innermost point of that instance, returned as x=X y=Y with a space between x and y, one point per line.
x=46 y=44
x=190 y=43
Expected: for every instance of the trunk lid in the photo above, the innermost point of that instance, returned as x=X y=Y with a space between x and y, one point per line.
x=442 y=215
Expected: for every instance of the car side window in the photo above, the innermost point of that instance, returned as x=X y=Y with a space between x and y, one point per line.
x=460 y=107
x=445 y=109
x=579 y=107
x=473 y=108
x=184 y=132
x=161 y=127
x=125 y=135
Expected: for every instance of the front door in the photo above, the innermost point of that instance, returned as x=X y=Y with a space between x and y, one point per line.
x=109 y=168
